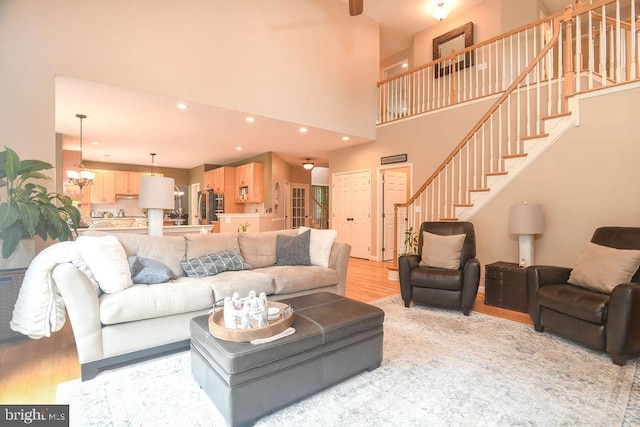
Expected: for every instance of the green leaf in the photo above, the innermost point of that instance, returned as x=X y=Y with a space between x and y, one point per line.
x=30 y=166
x=12 y=164
x=10 y=238
x=30 y=216
x=9 y=214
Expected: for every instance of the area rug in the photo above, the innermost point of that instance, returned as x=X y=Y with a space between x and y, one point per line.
x=439 y=368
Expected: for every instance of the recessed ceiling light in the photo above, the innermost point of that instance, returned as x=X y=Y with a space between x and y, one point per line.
x=95 y=143
x=345 y=138
x=182 y=106
x=238 y=148
x=304 y=130
x=405 y=65
x=250 y=119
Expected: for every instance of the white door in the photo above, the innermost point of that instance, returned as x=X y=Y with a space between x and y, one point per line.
x=351 y=204
x=394 y=190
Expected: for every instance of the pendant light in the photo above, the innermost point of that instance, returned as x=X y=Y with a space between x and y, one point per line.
x=81 y=176
x=308 y=165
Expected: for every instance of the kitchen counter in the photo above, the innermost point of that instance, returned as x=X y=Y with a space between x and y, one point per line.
x=175 y=230
x=232 y=222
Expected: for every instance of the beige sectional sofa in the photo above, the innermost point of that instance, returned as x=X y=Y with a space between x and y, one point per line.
x=145 y=320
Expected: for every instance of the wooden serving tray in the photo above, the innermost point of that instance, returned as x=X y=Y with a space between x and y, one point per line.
x=220 y=331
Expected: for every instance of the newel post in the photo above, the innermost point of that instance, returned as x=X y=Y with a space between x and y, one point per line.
x=569 y=73
x=395 y=233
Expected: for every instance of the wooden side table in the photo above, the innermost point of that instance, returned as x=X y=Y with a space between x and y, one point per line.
x=10 y=283
x=506 y=286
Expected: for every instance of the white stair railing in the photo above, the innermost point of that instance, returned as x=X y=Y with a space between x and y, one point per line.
x=540 y=91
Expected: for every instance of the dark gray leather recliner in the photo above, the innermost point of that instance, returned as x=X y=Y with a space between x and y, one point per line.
x=607 y=322
x=437 y=286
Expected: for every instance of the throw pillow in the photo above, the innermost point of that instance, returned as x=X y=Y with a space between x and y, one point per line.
x=147 y=271
x=215 y=263
x=293 y=250
x=107 y=260
x=320 y=245
x=603 y=268
x=441 y=251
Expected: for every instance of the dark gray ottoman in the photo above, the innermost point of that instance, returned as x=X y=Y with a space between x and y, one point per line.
x=335 y=338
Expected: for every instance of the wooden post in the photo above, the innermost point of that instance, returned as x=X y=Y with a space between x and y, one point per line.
x=454 y=92
x=569 y=73
x=395 y=234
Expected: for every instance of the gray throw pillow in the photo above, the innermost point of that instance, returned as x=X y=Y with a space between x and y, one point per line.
x=293 y=250
x=148 y=271
x=212 y=264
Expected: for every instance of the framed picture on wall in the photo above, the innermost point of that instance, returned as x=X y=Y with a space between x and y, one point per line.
x=446 y=46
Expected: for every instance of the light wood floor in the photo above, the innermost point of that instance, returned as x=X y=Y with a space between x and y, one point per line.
x=30 y=370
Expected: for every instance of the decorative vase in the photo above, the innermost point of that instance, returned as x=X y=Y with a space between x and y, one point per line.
x=22 y=257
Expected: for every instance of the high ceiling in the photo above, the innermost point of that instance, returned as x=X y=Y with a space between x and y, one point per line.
x=152 y=123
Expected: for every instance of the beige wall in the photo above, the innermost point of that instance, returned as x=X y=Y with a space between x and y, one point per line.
x=587 y=179
x=309 y=60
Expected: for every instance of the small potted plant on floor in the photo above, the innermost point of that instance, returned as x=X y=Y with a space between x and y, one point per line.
x=28 y=209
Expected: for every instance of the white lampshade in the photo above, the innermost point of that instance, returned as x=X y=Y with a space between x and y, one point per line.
x=156 y=192
x=526 y=219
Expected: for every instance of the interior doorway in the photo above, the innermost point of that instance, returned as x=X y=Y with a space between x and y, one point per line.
x=394 y=186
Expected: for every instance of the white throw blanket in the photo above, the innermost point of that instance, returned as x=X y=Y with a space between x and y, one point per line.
x=40 y=310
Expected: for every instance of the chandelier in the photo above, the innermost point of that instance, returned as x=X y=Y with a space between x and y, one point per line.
x=441 y=11
x=81 y=176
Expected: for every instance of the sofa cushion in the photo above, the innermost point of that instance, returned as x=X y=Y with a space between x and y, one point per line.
x=602 y=268
x=293 y=250
x=169 y=250
x=225 y=284
x=215 y=263
x=204 y=244
x=575 y=301
x=107 y=260
x=289 y=279
x=259 y=249
x=149 y=301
x=320 y=245
x=148 y=271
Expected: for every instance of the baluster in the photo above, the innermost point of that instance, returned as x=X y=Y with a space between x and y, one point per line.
x=591 y=53
x=568 y=57
x=618 y=43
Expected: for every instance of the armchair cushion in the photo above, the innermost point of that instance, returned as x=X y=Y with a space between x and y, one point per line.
x=441 y=251
x=602 y=268
x=575 y=301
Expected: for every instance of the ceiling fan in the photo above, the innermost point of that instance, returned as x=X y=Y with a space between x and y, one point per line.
x=355 y=7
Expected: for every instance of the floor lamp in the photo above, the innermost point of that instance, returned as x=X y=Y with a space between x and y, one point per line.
x=156 y=194
x=526 y=220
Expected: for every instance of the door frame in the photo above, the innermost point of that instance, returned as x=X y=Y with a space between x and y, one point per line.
x=194 y=200
x=379 y=224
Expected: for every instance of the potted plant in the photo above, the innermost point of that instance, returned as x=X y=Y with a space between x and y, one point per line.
x=30 y=209
x=410 y=242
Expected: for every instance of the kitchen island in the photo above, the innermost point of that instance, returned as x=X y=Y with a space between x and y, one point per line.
x=176 y=230
x=234 y=222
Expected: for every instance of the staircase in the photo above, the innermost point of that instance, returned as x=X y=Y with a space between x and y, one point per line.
x=533 y=111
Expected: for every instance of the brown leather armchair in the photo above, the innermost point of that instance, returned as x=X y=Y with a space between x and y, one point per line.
x=607 y=322
x=456 y=288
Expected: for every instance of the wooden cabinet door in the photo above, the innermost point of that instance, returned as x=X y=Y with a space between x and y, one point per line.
x=208 y=180
x=128 y=182
x=249 y=183
x=104 y=187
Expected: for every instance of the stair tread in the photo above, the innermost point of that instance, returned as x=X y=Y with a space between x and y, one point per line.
x=514 y=156
x=555 y=116
x=526 y=138
x=479 y=189
x=448 y=219
x=463 y=205
x=497 y=173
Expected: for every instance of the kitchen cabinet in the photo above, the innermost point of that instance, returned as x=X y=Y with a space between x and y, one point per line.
x=103 y=189
x=250 y=183
x=220 y=180
x=128 y=183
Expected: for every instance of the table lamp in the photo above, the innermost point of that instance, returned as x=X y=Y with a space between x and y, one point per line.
x=156 y=194
x=526 y=220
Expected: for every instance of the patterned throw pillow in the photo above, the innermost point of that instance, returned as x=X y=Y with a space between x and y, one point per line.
x=212 y=264
x=293 y=250
x=148 y=271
